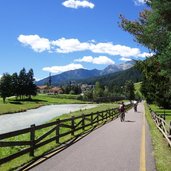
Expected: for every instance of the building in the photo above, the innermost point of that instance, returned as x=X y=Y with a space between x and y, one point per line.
x=49 y=90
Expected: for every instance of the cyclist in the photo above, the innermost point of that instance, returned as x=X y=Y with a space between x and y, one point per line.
x=135 y=103
x=122 y=111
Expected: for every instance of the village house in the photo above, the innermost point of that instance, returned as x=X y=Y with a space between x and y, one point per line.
x=86 y=87
x=49 y=90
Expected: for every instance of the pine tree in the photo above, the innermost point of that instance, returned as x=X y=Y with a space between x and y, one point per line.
x=31 y=88
x=5 y=86
x=153 y=30
x=129 y=90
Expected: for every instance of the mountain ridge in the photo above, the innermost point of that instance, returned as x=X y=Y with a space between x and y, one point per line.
x=82 y=74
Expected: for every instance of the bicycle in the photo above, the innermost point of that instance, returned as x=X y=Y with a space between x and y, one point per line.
x=122 y=116
x=135 y=108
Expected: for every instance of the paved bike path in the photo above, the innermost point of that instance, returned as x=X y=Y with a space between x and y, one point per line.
x=116 y=146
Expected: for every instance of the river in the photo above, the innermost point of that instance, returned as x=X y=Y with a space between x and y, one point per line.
x=17 y=121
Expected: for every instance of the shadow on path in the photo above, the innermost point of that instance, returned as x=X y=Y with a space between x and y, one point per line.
x=129 y=121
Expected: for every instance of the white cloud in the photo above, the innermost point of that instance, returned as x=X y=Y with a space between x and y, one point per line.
x=64 y=45
x=114 y=50
x=77 y=4
x=60 y=69
x=35 y=42
x=139 y=2
x=96 y=60
x=0 y=76
x=70 y=45
x=73 y=45
x=125 y=59
x=140 y=55
x=145 y=54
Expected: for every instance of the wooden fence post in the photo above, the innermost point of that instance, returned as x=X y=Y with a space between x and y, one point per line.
x=160 y=121
x=32 y=139
x=72 y=125
x=102 y=116
x=110 y=114
x=91 y=119
x=57 y=130
x=113 y=113
x=164 y=116
x=106 y=114
x=83 y=122
x=97 y=118
x=170 y=131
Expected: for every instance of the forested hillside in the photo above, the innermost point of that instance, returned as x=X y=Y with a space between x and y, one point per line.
x=118 y=78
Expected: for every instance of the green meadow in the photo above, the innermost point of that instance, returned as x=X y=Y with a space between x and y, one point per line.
x=160 y=111
x=12 y=105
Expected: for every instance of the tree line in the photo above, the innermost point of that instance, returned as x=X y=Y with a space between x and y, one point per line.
x=101 y=93
x=19 y=85
x=71 y=88
x=152 y=29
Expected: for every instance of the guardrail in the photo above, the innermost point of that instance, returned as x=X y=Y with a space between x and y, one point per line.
x=54 y=133
x=162 y=125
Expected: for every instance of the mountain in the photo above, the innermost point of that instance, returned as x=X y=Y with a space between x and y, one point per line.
x=127 y=65
x=117 y=78
x=111 y=69
x=82 y=74
x=70 y=76
x=116 y=68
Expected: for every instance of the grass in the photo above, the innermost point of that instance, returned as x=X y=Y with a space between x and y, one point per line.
x=137 y=87
x=66 y=96
x=14 y=164
x=160 y=111
x=162 y=152
x=12 y=105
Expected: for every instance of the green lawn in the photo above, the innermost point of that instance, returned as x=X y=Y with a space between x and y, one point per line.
x=162 y=152
x=26 y=158
x=12 y=106
x=160 y=111
x=137 y=87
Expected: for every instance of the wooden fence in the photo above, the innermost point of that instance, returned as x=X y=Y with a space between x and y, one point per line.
x=162 y=125
x=72 y=126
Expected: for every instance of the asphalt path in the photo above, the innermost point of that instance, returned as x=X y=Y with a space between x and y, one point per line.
x=116 y=146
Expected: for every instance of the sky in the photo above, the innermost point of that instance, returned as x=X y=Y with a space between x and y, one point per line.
x=53 y=36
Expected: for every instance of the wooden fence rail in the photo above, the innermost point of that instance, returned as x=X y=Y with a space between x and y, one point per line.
x=162 y=125
x=72 y=125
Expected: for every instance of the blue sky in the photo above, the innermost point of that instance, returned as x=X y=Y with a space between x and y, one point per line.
x=59 y=35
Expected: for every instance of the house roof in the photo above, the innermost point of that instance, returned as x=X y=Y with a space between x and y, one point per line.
x=42 y=87
x=56 y=89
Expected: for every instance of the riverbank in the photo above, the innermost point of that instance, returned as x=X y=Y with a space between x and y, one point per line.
x=14 y=106
x=38 y=116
